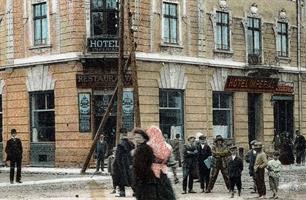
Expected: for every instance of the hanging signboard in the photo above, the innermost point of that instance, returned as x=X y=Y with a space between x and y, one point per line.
x=102 y=45
x=128 y=109
x=84 y=112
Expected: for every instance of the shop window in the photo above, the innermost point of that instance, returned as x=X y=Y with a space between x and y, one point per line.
x=170 y=23
x=222 y=114
x=171 y=115
x=42 y=117
x=1 y=118
x=282 y=39
x=222 y=39
x=104 y=17
x=40 y=23
x=254 y=40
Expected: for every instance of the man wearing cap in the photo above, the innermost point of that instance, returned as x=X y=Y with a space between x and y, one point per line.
x=235 y=167
x=299 y=145
x=101 y=152
x=259 y=170
x=204 y=151
x=190 y=155
x=250 y=158
x=220 y=153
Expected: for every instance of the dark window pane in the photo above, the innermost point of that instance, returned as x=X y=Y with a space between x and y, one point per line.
x=224 y=101
x=221 y=117
x=215 y=100
x=50 y=101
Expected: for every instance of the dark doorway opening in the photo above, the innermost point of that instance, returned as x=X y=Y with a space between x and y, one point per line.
x=254 y=116
x=283 y=116
x=100 y=103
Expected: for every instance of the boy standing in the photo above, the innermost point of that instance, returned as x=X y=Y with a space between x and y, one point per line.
x=274 y=167
x=235 y=167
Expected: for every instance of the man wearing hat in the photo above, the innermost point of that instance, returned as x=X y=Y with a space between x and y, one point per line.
x=220 y=153
x=259 y=170
x=250 y=158
x=204 y=151
x=190 y=155
x=123 y=162
x=235 y=167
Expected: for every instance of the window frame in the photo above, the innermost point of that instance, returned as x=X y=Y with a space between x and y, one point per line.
x=180 y=108
x=230 y=133
x=169 y=17
x=1 y=118
x=104 y=12
x=280 y=35
x=46 y=109
x=222 y=26
x=253 y=30
x=42 y=41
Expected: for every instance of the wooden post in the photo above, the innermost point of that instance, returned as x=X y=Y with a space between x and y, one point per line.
x=134 y=72
x=120 y=71
x=101 y=127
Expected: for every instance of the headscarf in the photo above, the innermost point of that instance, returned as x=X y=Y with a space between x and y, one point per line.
x=161 y=150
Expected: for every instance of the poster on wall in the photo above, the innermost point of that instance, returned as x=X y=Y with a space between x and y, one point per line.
x=128 y=109
x=84 y=112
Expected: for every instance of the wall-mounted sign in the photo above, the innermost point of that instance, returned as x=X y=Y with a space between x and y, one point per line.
x=128 y=109
x=250 y=84
x=97 y=81
x=84 y=112
x=284 y=88
x=102 y=45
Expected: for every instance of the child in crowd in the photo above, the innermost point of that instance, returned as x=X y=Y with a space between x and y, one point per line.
x=235 y=167
x=274 y=167
x=110 y=168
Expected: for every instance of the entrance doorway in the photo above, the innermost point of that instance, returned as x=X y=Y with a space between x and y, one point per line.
x=100 y=103
x=254 y=116
x=283 y=114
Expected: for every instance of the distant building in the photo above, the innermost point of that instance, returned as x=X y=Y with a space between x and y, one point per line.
x=228 y=67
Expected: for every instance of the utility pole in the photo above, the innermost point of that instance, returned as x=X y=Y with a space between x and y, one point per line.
x=134 y=70
x=120 y=70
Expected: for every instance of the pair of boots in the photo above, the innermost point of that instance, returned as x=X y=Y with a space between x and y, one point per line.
x=239 y=193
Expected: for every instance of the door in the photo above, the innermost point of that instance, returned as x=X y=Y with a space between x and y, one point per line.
x=254 y=116
x=100 y=103
x=283 y=116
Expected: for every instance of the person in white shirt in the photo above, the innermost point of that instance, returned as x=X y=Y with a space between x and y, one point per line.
x=274 y=167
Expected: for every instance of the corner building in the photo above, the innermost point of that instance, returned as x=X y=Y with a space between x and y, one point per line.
x=229 y=67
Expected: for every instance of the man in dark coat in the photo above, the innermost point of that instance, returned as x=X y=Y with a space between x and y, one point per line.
x=123 y=163
x=286 y=151
x=235 y=167
x=250 y=158
x=220 y=153
x=101 y=151
x=13 y=150
x=190 y=158
x=204 y=151
x=299 y=145
x=176 y=149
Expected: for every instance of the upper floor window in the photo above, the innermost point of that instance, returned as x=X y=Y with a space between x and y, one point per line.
x=282 y=39
x=42 y=116
x=40 y=24
x=170 y=12
x=254 y=36
x=104 y=17
x=222 y=37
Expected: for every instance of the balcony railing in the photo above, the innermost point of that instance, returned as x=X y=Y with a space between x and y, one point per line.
x=254 y=57
x=282 y=53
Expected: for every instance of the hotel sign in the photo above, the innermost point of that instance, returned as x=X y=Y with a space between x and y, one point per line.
x=251 y=84
x=284 y=88
x=99 y=45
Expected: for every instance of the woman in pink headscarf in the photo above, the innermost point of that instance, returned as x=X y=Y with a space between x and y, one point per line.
x=162 y=152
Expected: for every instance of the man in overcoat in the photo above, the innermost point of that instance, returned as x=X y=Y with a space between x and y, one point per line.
x=250 y=158
x=204 y=151
x=190 y=158
x=14 y=150
x=101 y=152
x=220 y=153
x=299 y=145
x=235 y=167
x=123 y=163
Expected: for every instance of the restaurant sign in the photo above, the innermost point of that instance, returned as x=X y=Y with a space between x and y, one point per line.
x=251 y=84
x=98 y=45
x=100 y=80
